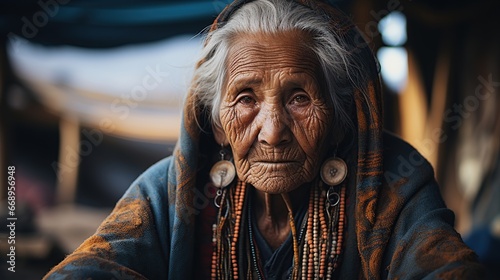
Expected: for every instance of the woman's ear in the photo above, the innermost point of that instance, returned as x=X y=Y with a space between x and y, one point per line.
x=219 y=135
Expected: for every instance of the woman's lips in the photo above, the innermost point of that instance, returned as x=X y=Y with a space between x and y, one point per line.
x=276 y=162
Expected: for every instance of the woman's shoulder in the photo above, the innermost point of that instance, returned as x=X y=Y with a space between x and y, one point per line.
x=394 y=146
x=152 y=182
x=156 y=173
x=402 y=160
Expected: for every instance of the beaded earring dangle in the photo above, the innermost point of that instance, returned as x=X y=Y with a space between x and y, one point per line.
x=229 y=201
x=333 y=173
x=325 y=222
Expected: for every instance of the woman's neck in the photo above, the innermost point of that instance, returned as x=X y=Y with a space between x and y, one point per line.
x=272 y=216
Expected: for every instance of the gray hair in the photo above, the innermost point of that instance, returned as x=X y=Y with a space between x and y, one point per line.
x=270 y=17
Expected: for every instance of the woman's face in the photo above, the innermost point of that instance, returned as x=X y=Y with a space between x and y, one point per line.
x=273 y=112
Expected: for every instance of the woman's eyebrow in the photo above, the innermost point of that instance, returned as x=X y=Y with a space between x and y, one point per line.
x=242 y=80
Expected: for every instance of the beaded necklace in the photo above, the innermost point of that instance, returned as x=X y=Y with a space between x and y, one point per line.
x=316 y=250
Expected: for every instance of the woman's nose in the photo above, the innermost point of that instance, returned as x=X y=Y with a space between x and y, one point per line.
x=274 y=129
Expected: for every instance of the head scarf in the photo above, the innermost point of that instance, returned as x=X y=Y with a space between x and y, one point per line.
x=372 y=233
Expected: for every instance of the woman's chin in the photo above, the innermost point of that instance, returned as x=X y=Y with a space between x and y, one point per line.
x=277 y=185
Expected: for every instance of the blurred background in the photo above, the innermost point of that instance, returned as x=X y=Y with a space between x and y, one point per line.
x=91 y=92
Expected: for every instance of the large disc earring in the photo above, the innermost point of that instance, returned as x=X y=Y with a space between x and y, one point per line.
x=223 y=172
x=333 y=171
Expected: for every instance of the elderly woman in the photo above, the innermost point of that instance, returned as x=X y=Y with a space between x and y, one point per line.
x=282 y=169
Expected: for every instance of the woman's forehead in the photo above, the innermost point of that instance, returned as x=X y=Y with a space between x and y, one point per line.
x=286 y=51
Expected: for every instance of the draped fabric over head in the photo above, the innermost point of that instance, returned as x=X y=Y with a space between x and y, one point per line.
x=372 y=234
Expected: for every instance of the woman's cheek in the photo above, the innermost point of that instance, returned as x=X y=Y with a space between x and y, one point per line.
x=313 y=126
x=242 y=120
x=236 y=123
x=226 y=115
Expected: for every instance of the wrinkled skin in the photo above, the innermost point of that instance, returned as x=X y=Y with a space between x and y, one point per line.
x=273 y=113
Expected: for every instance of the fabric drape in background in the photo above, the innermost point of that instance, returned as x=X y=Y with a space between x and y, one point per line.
x=107 y=23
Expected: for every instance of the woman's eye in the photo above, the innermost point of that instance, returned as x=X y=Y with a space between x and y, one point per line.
x=246 y=100
x=300 y=99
